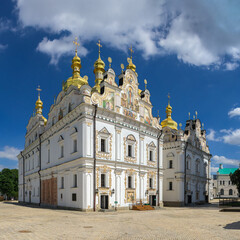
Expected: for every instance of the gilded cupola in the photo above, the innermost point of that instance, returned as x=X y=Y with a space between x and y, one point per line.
x=130 y=62
x=39 y=106
x=39 y=103
x=168 y=122
x=99 y=70
x=76 y=79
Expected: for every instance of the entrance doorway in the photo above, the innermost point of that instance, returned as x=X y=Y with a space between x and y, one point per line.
x=104 y=201
x=152 y=200
x=189 y=198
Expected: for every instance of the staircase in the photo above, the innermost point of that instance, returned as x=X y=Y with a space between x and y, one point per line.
x=142 y=207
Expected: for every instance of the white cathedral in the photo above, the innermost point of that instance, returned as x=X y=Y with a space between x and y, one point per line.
x=101 y=148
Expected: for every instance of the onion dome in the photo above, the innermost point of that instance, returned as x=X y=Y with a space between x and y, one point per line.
x=39 y=106
x=130 y=62
x=131 y=65
x=76 y=79
x=168 y=122
x=39 y=103
x=99 y=69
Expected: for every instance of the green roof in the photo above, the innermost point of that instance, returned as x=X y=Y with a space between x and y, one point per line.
x=227 y=171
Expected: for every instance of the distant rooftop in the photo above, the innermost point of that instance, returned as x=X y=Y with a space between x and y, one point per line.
x=227 y=171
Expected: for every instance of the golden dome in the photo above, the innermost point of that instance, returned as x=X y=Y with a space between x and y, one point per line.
x=131 y=65
x=76 y=79
x=168 y=122
x=99 y=65
x=39 y=105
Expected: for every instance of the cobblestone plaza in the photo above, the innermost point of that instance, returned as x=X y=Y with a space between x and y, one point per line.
x=205 y=222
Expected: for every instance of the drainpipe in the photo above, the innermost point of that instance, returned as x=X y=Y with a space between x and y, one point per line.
x=185 y=172
x=158 y=187
x=39 y=171
x=94 y=157
x=23 y=176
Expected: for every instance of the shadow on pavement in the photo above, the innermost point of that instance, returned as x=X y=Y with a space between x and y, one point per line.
x=234 y=225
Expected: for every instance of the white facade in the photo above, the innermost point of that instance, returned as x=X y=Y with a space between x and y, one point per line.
x=56 y=168
x=186 y=163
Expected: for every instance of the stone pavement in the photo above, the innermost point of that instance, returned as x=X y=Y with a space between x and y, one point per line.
x=203 y=222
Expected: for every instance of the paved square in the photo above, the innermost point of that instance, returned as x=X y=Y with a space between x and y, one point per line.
x=19 y=222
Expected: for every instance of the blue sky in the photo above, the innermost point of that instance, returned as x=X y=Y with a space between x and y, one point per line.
x=189 y=49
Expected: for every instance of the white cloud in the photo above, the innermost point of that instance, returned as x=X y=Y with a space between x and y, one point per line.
x=214 y=169
x=231 y=66
x=234 y=112
x=223 y=160
x=201 y=33
x=57 y=47
x=233 y=137
x=212 y=136
x=9 y=153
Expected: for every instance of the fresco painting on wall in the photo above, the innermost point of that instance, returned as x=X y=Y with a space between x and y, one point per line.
x=109 y=102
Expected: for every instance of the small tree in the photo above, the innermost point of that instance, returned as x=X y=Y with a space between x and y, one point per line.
x=9 y=182
x=235 y=179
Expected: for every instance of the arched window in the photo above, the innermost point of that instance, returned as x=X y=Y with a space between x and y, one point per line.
x=222 y=192
x=230 y=192
x=188 y=162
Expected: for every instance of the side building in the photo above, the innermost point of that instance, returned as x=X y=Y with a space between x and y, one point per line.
x=186 y=163
x=223 y=186
x=100 y=148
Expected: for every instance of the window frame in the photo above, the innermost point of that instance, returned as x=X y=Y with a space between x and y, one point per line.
x=130 y=182
x=74 y=197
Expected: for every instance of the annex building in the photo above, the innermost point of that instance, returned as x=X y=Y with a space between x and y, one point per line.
x=101 y=147
x=222 y=185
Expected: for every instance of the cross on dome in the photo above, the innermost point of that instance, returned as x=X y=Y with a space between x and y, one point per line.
x=76 y=44
x=99 y=46
x=39 y=90
x=131 y=50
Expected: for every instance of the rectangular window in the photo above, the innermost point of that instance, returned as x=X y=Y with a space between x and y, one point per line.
x=220 y=182
x=223 y=182
x=75 y=180
x=170 y=186
x=74 y=197
x=129 y=181
x=170 y=164
x=151 y=155
x=103 y=145
x=103 y=183
x=61 y=196
x=150 y=183
x=62 y=182
x=75 y=145
x=48 y=159
x=129 y=150
x=229 y=183
x=62 y=152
